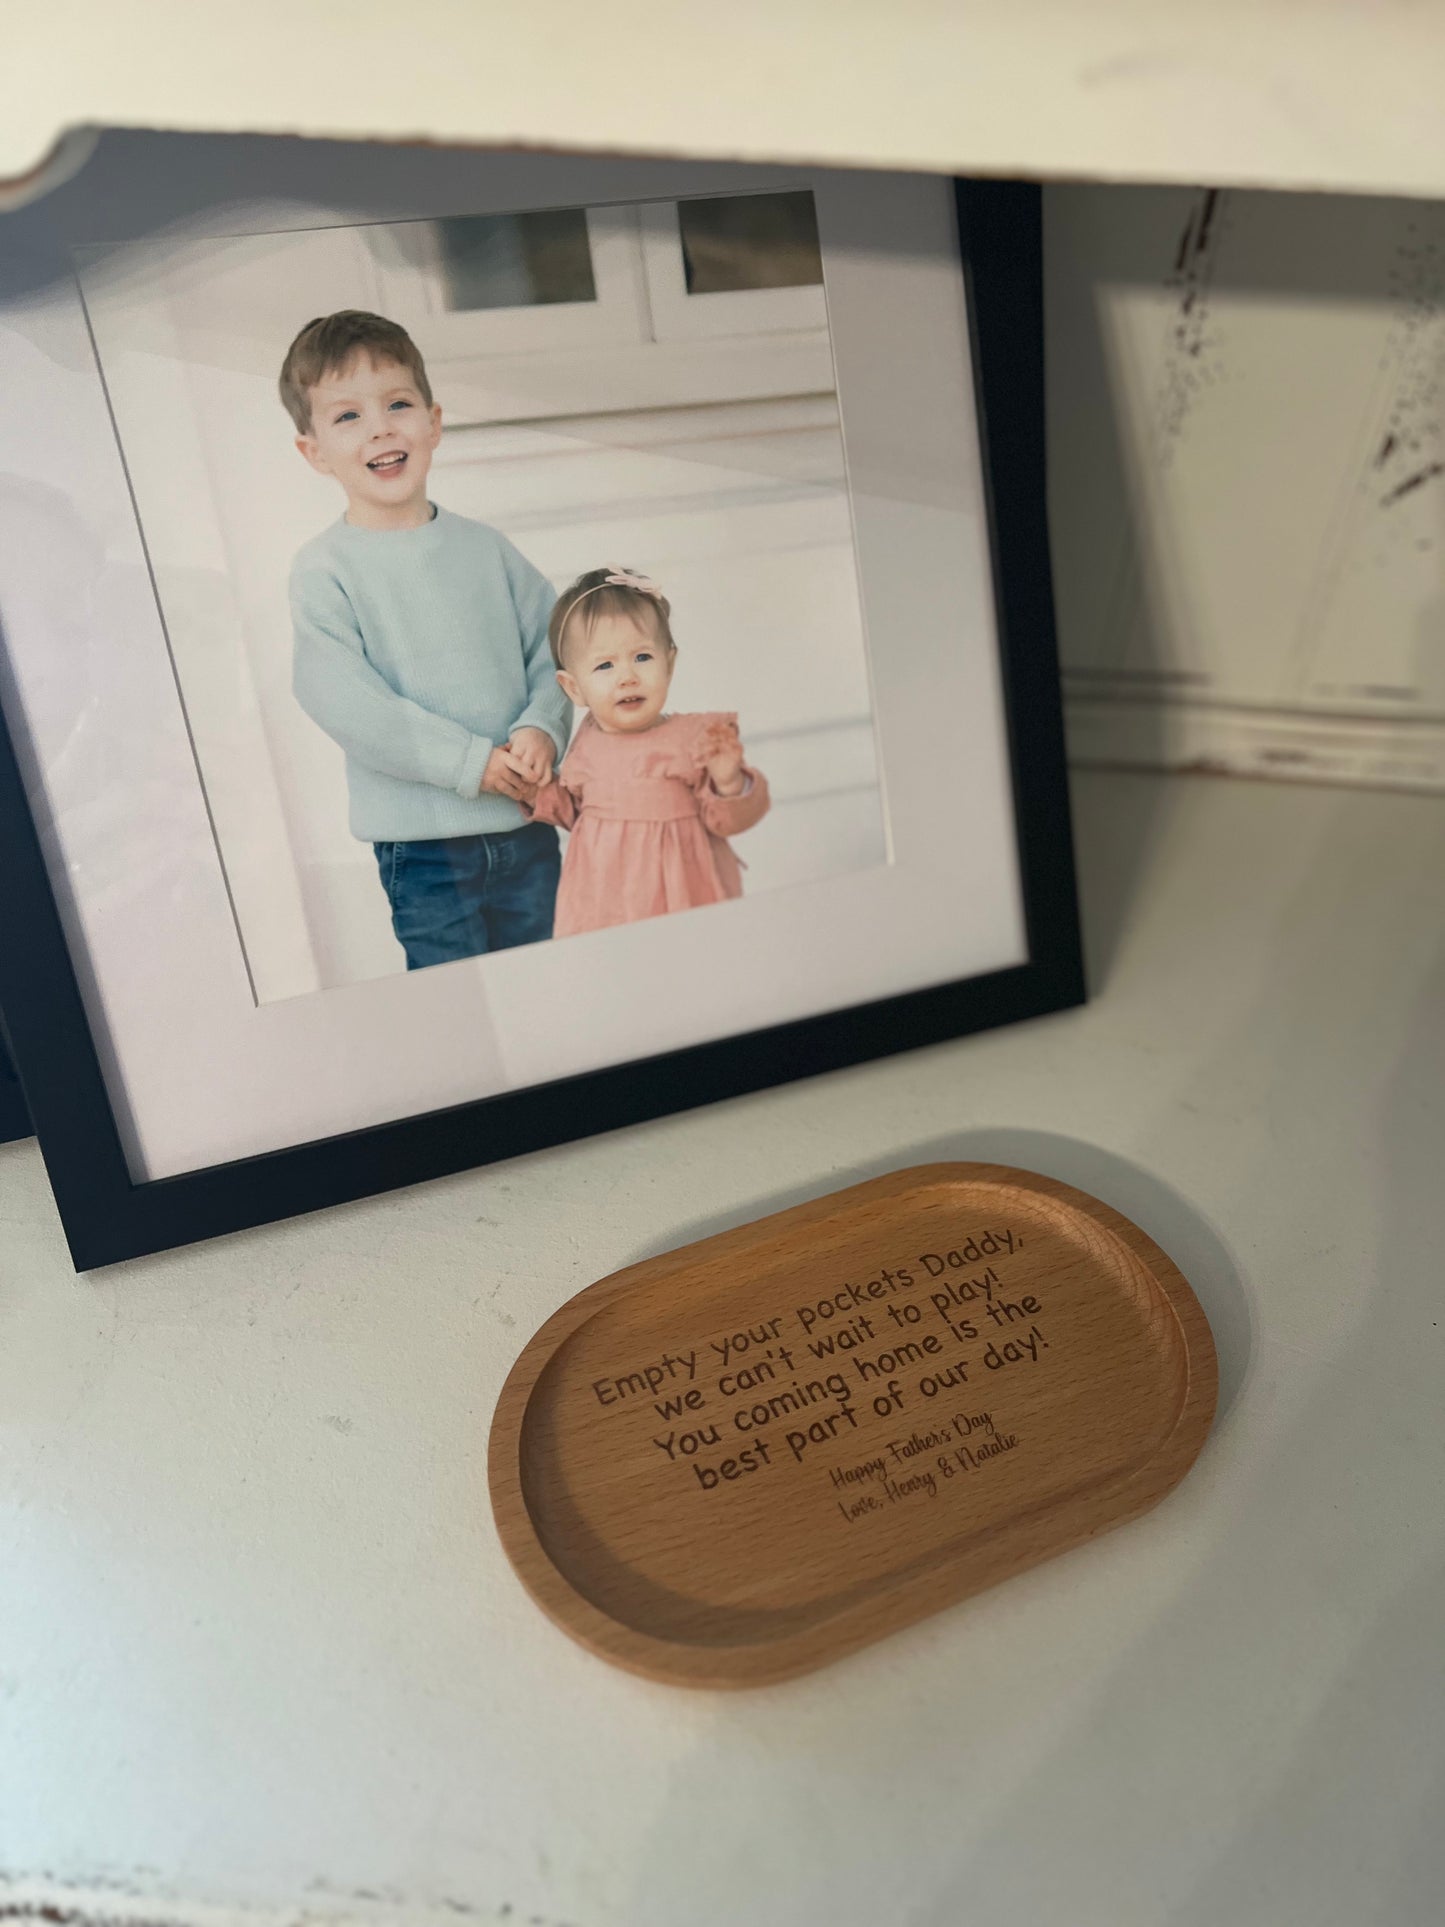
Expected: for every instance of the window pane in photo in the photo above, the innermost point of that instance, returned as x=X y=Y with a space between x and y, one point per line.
x=516 y=260
x=733 y=242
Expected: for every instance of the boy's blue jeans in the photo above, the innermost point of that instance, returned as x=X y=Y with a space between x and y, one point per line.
x=461 y=896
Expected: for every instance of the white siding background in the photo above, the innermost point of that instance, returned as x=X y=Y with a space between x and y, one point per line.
x=715 y=465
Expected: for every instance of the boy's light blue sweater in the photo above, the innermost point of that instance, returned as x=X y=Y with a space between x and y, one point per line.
x=419 y=650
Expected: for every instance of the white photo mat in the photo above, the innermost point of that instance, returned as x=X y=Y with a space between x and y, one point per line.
x=199 y=1073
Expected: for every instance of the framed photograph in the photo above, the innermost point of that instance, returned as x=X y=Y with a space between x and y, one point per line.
x=494 y=648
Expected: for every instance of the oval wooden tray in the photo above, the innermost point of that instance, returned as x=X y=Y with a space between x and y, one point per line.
x=740 y=1460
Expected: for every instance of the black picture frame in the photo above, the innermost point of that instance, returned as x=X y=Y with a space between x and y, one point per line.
x=14 y=1118
x=107 y=1216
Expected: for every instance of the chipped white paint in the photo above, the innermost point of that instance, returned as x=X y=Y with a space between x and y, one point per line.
x=42 y=1903
x=67 y=154
x=262 y=1663
x=1247 y=479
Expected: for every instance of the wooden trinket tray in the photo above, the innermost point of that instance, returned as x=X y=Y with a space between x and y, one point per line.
x=743 y=1459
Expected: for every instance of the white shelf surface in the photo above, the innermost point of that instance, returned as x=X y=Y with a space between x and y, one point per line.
x=262 y=1661
x=1286 y=93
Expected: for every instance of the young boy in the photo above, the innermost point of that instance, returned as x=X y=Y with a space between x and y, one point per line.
x=421 y=648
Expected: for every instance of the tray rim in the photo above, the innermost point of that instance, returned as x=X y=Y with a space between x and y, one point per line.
x=1132 y=1491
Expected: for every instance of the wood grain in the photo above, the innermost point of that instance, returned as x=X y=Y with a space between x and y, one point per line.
x=740 y=1460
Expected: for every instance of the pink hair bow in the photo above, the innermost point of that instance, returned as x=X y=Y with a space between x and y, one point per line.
x=625 y=579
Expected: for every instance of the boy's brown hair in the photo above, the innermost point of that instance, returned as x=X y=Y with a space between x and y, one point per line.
x=326 y=345
x=600 y=596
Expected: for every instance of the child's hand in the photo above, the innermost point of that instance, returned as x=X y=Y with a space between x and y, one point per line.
x=530 y=754
x=721 y=750
x=502 y=778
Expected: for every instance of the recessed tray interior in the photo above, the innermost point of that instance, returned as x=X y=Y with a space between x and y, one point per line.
x=741 y=1459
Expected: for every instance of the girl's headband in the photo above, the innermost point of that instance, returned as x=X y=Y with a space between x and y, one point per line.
x=615 y=579
x=621 y=579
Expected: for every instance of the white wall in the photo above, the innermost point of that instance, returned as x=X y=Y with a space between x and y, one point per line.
x=1247 y=480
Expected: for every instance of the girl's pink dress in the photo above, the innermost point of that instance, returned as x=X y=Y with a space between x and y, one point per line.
x=648 y=831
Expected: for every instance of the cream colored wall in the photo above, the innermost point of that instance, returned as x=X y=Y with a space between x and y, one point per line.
x=1247 y=480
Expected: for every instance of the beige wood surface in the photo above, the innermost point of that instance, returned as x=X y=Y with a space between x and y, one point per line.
x=742 y=1459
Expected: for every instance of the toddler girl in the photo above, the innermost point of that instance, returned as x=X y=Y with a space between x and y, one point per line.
x=650 y=799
